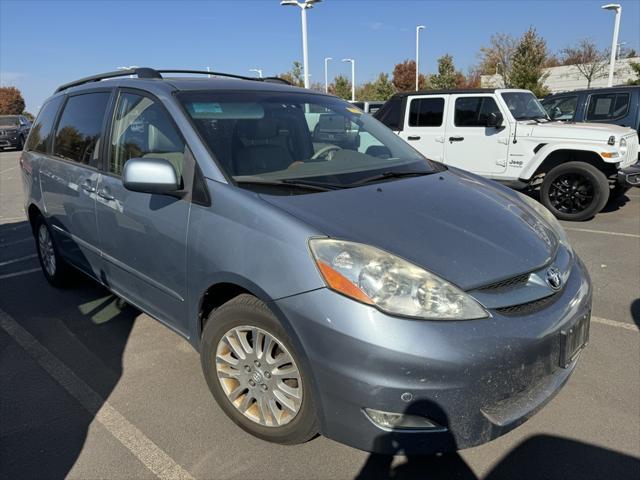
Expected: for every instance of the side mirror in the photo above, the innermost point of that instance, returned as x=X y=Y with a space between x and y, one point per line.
x=495 y=120
x=150 y=175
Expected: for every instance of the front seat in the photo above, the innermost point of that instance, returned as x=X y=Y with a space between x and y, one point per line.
x=258 y=149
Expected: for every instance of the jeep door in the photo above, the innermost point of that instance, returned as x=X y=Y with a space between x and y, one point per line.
x=424 y=124
x=469 y=143
x=143 y=236
x=68 y=178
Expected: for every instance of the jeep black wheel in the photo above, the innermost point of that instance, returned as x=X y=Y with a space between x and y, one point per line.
x=574 y=191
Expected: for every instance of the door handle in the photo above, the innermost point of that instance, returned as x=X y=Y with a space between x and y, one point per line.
x=456 y=139
x=104 y=193
x=413 y=137
x=87 y=186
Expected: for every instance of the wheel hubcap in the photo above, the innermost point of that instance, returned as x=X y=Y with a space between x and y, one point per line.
x=571 y=193
x=47 y=254
x=259 y=376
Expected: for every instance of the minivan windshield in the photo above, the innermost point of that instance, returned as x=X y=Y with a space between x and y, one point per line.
x=524 y=106
x=298 y=138
x=9 y=121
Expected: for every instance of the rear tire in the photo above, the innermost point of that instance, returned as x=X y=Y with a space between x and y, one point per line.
x=21 y=143
x=55 y=269
x=574 y=191
x=252 y=390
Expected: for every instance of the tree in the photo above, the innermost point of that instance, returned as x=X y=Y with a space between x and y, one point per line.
x=636 y=68
x=294 y=76
x=590 y=62
x=447 y=76
x=11 y=101
x=341 y=87
x=380 y=89
x=404 y=77
x=527 y=64
x=495 y=59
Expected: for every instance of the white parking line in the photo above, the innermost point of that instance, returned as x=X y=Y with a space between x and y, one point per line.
x=18 y=274
x=16 y=260
x=11 y=219
x=588 y=230
x=614 y=323
x=9 y=169
x=150 y=454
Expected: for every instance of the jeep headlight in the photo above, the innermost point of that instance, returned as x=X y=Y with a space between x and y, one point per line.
x=623 y=147
x=392 y=284
x=549 y=218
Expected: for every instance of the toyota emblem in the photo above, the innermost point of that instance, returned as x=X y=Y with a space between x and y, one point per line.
x=554 y=279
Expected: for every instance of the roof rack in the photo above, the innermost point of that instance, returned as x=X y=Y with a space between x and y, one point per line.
x=152 y=73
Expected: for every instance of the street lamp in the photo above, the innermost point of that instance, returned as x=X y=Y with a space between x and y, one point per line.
x=326 y=78
x=619 y=50
x=614 y=44
x=257 y=70
x=305 y=54
x=418 y=28
x=353 y=77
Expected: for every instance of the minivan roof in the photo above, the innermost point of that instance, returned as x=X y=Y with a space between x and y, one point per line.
x=151 y=79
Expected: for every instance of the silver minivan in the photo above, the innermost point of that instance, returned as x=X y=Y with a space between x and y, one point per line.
x=333 y=279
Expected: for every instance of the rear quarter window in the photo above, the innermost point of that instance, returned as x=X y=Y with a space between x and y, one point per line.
x=40 y=135
x=607 y=106
x=391 y=114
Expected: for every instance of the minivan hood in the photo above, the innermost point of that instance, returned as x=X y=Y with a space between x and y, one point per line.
x=579 y=131
x=469 y=231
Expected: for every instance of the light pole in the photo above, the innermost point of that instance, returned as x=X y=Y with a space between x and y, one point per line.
x=305 y=54
x=257 y=70
x=326 y=77
x=619 y=50
x=418 y=28
x=353 y=77
x=614 y=44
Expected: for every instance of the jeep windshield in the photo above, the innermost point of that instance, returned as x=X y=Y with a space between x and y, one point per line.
x=304 y=140
x=524 y=106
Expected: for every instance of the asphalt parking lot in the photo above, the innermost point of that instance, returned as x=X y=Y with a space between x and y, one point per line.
x=90 y=388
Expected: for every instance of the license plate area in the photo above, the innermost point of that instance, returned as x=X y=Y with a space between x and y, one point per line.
x=574 y=339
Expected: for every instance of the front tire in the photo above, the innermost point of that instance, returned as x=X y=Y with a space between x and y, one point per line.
x=254 y=373
x=21 y=143
x=56 y=270
x=574 y=191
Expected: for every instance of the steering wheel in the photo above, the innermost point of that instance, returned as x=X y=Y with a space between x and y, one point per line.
x=325 y=152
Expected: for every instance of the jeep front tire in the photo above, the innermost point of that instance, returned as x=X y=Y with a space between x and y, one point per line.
x=574 y=191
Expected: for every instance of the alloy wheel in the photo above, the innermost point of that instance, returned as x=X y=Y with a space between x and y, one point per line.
x=45 y=247
x=259 y=376
x=571 y=193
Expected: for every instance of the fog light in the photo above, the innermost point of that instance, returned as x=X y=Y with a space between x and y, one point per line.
x=401 y=421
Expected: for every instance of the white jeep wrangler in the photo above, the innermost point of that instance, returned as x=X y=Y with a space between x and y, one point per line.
x=506 y=135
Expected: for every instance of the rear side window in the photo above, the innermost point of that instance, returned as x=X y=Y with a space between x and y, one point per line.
x=563 y=108
x=426 y=112
x=40 y=135
x=80 y=127
x=390 y=114
x=142 y=128
x=474 y=111
x=607 y=106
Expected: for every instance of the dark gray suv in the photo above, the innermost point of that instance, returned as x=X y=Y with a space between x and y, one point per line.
x=333 y=280
x=13 y=131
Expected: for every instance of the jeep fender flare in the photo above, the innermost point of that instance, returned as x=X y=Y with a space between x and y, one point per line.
x=545 y=152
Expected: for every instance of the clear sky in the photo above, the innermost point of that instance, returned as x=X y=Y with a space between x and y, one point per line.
x=46 y=43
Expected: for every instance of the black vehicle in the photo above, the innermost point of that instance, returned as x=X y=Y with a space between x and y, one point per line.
x=617 y=105
x=13 y=131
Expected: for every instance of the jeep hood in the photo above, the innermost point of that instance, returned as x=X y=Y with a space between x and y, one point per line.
x=467 y=230
x=598 y=132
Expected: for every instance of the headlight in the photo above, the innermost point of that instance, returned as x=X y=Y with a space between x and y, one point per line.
x=623 y=147
x=375 y=277
x=549 y=218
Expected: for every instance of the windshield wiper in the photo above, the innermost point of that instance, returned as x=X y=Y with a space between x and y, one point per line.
x=389 y=175
x=284 y=183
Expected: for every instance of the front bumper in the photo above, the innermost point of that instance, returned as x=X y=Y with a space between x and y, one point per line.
x=630 y=176
x=478 y=378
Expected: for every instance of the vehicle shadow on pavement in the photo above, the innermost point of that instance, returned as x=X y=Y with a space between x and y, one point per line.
x=615 y=203
x=635 y=311
x=43 y=428
x=537 y=457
